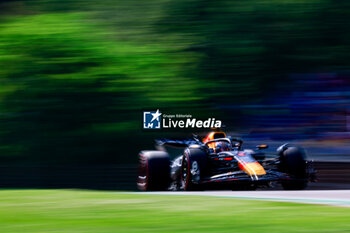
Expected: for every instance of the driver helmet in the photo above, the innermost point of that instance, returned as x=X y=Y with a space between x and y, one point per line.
x=219 y=146
x=214 y=135
x=222 y=146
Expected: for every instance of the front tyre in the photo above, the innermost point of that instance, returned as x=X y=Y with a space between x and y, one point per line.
x=292 y=162
x=153 y=171
x=194 y=168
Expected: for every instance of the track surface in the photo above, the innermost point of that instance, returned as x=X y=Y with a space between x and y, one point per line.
x=325 y=197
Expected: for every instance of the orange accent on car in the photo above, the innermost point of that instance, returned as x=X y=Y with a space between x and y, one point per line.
x=252 y=168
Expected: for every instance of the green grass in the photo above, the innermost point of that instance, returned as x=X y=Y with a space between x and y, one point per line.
x=99 y=212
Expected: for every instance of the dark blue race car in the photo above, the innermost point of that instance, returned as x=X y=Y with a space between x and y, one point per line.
x=219 y=162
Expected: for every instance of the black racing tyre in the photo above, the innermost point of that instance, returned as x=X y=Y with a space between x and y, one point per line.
x=153 y=171
x=292 y=162
x=194 y=168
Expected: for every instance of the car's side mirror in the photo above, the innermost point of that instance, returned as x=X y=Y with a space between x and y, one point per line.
x=260 y=147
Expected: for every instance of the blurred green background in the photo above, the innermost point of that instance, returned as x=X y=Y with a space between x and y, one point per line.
x=76 y=75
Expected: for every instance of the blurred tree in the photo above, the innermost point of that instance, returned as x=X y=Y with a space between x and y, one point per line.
x=250 y=47
x=75 y=75
x=70 y=93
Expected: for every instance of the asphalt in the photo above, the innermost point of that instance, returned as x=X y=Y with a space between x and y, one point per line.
x=323 y=197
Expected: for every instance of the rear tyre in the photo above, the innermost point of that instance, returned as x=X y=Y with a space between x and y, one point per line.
x=194 y=168
x=153 y=171
x=292 y=162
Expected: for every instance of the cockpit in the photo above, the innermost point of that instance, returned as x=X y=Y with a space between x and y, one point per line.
x=217 y=142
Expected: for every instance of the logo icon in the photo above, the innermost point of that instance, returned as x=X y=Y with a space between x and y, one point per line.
x=151 y=120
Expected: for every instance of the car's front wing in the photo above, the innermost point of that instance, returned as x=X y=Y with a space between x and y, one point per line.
x=240 y=176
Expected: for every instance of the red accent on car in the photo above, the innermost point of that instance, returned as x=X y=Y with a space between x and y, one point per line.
x=241 y=166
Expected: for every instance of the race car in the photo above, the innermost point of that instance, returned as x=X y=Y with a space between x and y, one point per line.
x=220 y=162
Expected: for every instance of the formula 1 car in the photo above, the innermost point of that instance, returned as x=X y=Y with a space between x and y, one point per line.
x=219 y=162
